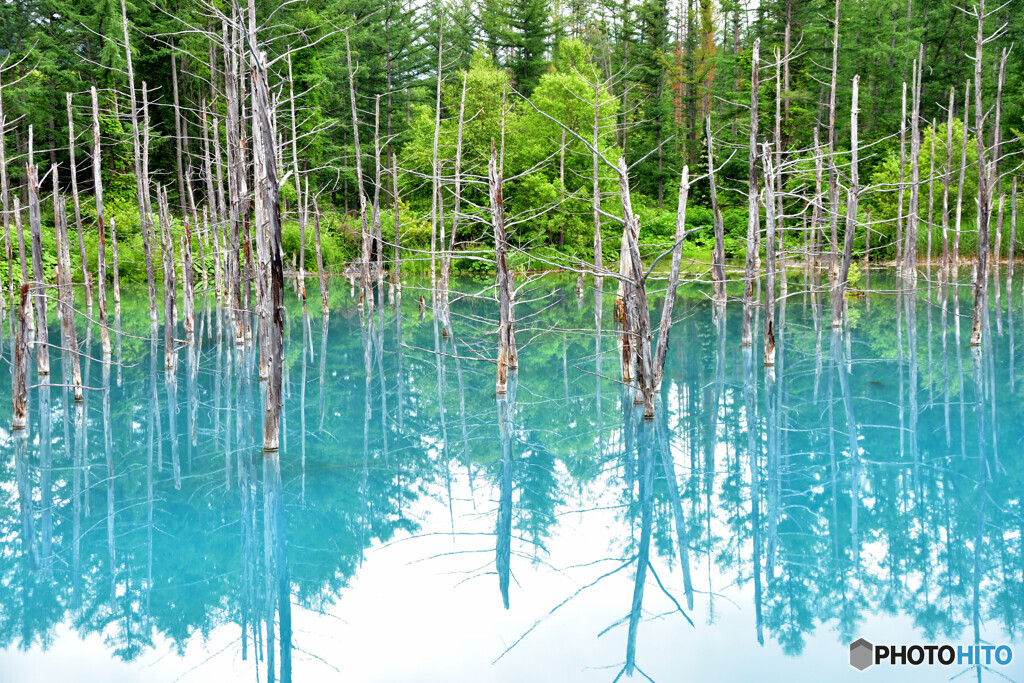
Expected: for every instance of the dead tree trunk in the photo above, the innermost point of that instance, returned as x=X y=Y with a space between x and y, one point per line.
x=986 y=182
x=637 y=311
x=673 y=281
x=188 y=285
x=66 y=297
x=839 y=288
x=38 y=277
x=504 y=276
x=19 y=376
x=913 y=213
x=298 y=184
x=273 y=271
x=167 y=244
x=931 y=196
x=397 y=270
x=178 y=137
x=320 y=258
x=902 y=188
x=365 y=248
x=817 y=208
x=946 y=175
x=101 y=265
x=117 y=273
x=5 y=190
x=753 y=211
x=963 y=175
x=435 y=173
x=86 y=278
x=1013 y=235
x=833 y=181
x=212 y=206
x=141 y=177
x=718 y=257
x=769 y=251
x=596 y=196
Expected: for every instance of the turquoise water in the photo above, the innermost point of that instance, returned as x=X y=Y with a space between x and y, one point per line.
x=418 y=528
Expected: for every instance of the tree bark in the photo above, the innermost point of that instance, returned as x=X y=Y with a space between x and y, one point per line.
x=504 y=276
x=718 y=257
x=673 y=281
x=753 y=210
x=839 y=288
x=19 y=376
x=38 y=277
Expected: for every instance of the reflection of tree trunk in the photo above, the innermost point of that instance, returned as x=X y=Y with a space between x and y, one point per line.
x=598 y=315
x=503 y=549
x=682 y=536
x=45 y=480
x=108 y=456
x=25 y=508
x=324 y=325
x=753 y=450
x=171 y=386
x=840 y=362
x=983 y=477
x=910 y=306
x=278 y=588
x=645 y=452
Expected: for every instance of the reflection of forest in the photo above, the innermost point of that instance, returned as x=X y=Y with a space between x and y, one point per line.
x=864 y=474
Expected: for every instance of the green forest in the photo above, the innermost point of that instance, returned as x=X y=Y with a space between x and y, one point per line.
x=433 y=85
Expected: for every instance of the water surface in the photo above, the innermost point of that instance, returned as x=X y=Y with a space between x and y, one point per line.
x=417 y=527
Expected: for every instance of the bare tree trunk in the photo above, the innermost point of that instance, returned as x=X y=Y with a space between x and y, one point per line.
x=141 y=177
x=86 y=278
x=963 y=174
x=637 y=310
x=298 y=183
x=435 y=179
x=170 y=305
x=914 y=218
x=839 y=288
x=673 y=281
x=817 y=208
x=320 y=258
x=365 y=249
x=178 y=137
x=753 y=210
x=97 y=181
x=21 y=246
x=947 y=174
x=376 y=231
x=769 y=249
x=931 y=195
x=986 y=177
x=446 y=262
x=117 y=275
x=596 y=192
x=19 y=388
x=5 y=201
x=397 y=271
x=273 y=271
x=504 y=277
x=38 y=277
x=718 y=257
x=66 y=298
x=903 y=166
x=211 y=208
x=1013 y=236
x=188 y=285
x=833 y=186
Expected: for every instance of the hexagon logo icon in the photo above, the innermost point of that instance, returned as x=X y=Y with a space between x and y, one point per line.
x=861 y=654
